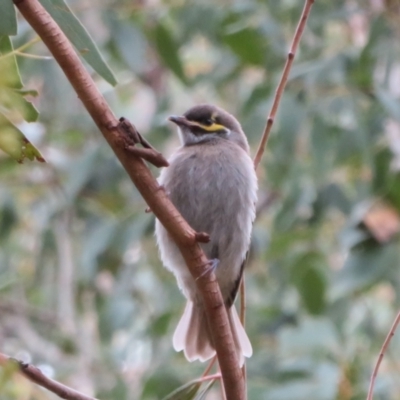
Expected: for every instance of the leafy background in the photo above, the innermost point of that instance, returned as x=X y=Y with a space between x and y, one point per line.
x=82 y=291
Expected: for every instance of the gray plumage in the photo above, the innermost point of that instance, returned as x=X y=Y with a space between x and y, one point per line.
x=212 y=182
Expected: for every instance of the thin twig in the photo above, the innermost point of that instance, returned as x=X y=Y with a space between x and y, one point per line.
x=33 y=56
x=381 y=354
x=282 y=83
x=208 y=378
x=158 y=201
x=209 y=366
x=35 y=375
x=20 y=48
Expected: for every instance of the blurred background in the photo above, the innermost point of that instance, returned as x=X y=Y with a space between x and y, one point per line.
x=83 y=294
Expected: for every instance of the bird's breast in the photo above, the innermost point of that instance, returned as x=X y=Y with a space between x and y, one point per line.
x=214 y=188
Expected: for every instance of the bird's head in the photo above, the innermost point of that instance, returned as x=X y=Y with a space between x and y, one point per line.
x=206 y=122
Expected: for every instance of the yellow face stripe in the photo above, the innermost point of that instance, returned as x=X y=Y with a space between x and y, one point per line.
x=209 y=128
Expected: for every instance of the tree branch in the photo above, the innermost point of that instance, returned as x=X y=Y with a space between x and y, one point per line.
x=35 y=375
x=148 y=152
x=158 y=201
x=282 y=83
x=380 y=357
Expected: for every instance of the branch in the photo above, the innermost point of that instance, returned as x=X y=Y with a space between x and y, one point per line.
x=35 y=375
x=148 y=152
x=380 y=357
x=282 y=83
x=183 y=235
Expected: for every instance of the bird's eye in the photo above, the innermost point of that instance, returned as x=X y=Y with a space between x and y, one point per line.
x=208 y=121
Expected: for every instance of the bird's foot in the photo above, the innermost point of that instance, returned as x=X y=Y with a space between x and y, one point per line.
x=211 y=267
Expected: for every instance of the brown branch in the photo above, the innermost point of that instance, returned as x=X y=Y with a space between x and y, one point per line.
x=148 y=152
x=282 y=83
x=208 y=378
x=209 y=366
x=157 y=200
x=35 y=375
x=381 y=354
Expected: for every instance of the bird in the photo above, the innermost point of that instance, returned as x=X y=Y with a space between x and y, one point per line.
x=212 y=182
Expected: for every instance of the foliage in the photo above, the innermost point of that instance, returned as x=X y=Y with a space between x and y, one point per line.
x=82 y=291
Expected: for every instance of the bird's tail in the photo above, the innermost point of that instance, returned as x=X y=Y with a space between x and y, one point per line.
x=193 y=336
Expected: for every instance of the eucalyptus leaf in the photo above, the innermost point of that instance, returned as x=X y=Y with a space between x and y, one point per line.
x=159 y=327
x=246 y=42
x=187 y=391
x=8 y=18
x=12 y=92
x=366 y=264
x=168 y=50
x=10 y=76
x=14 y=143
x=310 y=281
x=79 y=37
x=203 y=394
x=159 y=383
x=8 y=218
x=136 y=54
x=17 y=106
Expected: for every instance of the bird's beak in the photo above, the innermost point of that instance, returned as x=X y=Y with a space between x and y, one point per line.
x=183 y=121
x=179 y=120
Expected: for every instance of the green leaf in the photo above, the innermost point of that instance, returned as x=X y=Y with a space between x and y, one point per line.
x=15 y=103
x=12 y=92
x=9 y=76
x=187 y=391
x=8 y=19
x=135 y=55
x=310 y=281
x=332 y=195
x=8 y=217
x=246 y=42
x=14 y=143
x=203 y=393
x=199 y=18
x=361 y=69
x=168 y=50
x=159 y=383
x=79 y=37
x=159 y=327
x=366 y=264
